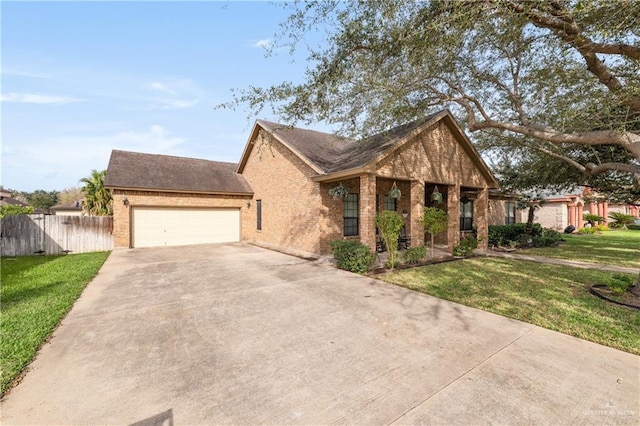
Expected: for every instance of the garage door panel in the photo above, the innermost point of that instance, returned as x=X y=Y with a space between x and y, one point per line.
x=153 y=227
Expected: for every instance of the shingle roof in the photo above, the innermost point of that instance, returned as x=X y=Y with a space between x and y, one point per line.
x=135 y=170
x=330 y=153
x=77 y=205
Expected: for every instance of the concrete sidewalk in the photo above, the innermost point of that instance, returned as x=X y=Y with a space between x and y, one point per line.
x=564 y=262
x=235 y=334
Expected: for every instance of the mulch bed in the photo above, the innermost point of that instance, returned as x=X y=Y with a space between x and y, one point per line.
x=624 y=299
x=417 y=265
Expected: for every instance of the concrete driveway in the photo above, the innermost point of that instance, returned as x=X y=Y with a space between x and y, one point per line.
x=236 y=334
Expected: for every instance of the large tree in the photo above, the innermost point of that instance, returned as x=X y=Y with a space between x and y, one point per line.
x=97 y=198
x=548 y=75
x=554 y=77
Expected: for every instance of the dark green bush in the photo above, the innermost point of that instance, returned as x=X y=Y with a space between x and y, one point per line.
x=500 y=235
x=548 y=238
x=352 y=255
x=634 y=227
x=415 y=254
x=466 y=246
x=619 y=283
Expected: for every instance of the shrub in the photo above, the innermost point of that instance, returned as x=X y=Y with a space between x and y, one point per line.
x=466 y=246
x=634 y=227
x=619 y=283
x=621 y=220
x=593 y=218
x=390 y=223
x=415 y=254
x=602 y=228
x=548 y=238
x=352 y=255
x=586 y=231
x=13 y=209
x=500 y=235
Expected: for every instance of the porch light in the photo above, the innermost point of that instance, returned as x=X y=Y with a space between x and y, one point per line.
x=405 y=214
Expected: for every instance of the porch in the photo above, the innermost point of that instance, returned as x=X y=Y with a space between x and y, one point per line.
x=370 y=194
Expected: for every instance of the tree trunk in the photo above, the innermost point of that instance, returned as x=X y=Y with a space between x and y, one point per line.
x=636 y=288
x=529 y=228
x=432 y=240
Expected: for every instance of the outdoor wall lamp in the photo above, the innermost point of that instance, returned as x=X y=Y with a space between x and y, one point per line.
x=125 y=200
x=405 y=214
x=248 y=204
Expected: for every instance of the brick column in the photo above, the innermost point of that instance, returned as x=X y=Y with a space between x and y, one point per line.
x=572 y=215
x=481 y=218
x=368 y=210
x=600 y=209
x=453 y=209
x=416 y=231
x=592 y=208
x=605 y=212
x=580 y=217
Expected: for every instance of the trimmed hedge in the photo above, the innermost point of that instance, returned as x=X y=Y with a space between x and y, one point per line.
x=502 y=235
x=352 y=255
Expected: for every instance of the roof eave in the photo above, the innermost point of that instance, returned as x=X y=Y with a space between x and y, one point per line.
x=176 y=191
x=265 y=127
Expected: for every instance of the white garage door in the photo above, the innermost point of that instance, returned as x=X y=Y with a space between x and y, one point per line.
x=153 y=227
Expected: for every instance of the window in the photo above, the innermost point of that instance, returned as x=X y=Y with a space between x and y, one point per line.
x=389 y=203
x=509 y=212
x=466 y=216
x=259 y=215
x=350 y=215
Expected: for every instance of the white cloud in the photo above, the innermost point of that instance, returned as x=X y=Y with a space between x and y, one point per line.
x=162 y=87
x=179 y=104
x=263 y=44
x=26 y=74
x=36 y=98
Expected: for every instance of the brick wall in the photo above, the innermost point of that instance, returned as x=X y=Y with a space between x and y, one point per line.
x=436 y=156
x=122 y=211
x=293 y=215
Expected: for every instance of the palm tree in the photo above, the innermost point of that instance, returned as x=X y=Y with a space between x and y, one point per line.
x=97 y=198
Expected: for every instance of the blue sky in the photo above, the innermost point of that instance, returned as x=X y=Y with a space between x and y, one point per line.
x=82 y=78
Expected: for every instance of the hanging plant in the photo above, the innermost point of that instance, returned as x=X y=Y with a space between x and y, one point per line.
x=395 y=191
x=436 y=196
x=339 y=191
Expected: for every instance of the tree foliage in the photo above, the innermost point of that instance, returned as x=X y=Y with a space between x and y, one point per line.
x=559 y=78
x=97 y=198
x=14 y=209
x=434 y=221
x=70 y=195
x=390 y=223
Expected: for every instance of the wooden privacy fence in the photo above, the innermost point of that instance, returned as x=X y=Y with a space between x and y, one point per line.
x=26 y=235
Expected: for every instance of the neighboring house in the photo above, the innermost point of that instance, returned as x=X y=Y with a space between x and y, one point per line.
x=69 y=209
x=7 y=199
x=561 y=210
x=278 y=194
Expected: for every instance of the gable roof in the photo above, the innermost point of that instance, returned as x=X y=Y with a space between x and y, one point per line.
x=330 y=155
x=134 y=170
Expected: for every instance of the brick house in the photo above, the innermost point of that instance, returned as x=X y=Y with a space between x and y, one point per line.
x=279 y=192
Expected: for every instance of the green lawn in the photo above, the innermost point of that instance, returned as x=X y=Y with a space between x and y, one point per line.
x=36 y=293
x=619 y=247
x=550 y=296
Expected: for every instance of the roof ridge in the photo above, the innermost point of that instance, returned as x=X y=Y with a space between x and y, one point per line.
x=175 y=156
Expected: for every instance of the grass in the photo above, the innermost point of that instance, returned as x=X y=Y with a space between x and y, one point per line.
x=619 y=247
x=550 y=296
x=36 y=293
